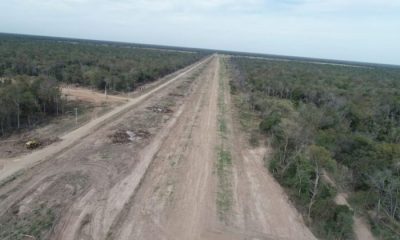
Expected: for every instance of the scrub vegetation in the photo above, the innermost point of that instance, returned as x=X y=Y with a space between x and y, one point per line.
x=333 y=129
x=224 y=161
x=32 y=69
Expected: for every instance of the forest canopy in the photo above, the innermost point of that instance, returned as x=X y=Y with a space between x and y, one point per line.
x=32 y=69
x=329 y=120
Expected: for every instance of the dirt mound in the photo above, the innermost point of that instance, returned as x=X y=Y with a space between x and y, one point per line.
x=160 y=109
x=125 y=136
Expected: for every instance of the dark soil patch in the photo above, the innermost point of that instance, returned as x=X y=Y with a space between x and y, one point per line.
x=125 y=136
x=160 y=109
x=176 y=95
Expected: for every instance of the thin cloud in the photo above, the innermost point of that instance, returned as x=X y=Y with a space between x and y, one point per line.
x=338 y=6
x=341 y=29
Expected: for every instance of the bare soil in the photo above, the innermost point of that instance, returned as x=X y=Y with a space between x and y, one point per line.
x=162 y=186
x=72 y=93
x=90 y=104
x=10 y=166
x=125 y=136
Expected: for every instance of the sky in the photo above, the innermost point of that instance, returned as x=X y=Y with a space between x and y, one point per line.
x=357 y=30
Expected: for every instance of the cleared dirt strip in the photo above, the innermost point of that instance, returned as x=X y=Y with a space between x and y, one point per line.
x=9 y=167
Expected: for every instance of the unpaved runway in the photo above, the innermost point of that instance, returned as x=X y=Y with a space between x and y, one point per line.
x=163 y=187
x=177 y=199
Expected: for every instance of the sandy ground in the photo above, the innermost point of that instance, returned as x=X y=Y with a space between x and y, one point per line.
x=90 y=105
x=160 y=187
x=177 y=199
x=83 y=94
x=13 y=165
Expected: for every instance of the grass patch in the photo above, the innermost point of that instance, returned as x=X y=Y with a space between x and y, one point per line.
x=224 y=161
x=224 y=193
x=10 y=178
x=385 y=229
x=36 y=223
x=222 y=126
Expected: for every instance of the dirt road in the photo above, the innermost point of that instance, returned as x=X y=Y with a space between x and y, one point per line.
x=164 y=186
x=178 y=196
x=11 y=166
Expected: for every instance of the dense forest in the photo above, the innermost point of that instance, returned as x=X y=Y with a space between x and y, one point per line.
x=31 y=70
x=334 y=129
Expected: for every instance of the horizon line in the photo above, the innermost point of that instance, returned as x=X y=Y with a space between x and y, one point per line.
x=225 y=51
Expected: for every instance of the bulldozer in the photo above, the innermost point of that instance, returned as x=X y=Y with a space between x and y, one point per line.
x=32 y=144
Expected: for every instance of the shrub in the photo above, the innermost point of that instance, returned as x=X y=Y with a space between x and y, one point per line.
x=334 y=221
x=269 y=122
x=254 y=141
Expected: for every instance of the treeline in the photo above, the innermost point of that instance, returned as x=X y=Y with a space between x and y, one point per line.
x=25 y=101
x=31 y=70
x=327 y=123
x=120 y=68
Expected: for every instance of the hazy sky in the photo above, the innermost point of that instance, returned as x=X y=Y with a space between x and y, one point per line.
x=362 y=30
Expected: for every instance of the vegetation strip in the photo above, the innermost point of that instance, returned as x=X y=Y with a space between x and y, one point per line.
x=224 y=161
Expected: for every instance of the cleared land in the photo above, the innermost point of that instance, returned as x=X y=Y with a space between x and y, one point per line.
x=169 y=164
x=12 y=166
x=90 y=105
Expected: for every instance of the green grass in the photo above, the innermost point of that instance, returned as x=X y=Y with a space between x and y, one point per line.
x=384 y=229
x=222 y=126
x=224 y=193
x=36 y=223
x=224 y=161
